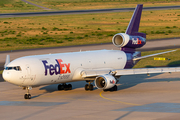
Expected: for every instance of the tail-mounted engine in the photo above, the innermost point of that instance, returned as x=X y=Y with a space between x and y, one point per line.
x=105 y=82
x=124 y=40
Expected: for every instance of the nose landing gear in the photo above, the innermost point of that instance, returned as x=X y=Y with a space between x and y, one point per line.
x=28 y=95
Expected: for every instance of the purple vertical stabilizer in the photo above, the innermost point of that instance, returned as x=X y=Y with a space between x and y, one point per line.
x=133 y=26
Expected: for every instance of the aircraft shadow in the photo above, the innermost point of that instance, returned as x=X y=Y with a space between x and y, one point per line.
x=37 y=96
x=133 y=80
x=124 y=81
x=75 y=85
x=174 y=64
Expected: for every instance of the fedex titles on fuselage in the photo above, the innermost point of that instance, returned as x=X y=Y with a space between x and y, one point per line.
x=56 y=69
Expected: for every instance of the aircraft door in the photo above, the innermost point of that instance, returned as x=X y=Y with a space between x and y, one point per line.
x=28 y=70
x=28 y=78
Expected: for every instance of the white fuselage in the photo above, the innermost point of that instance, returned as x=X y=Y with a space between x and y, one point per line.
x=62 y=67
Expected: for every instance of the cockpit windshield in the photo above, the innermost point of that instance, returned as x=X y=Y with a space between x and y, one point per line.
x=17 y=68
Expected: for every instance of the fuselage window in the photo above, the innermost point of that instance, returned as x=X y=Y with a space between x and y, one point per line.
x=17 y=68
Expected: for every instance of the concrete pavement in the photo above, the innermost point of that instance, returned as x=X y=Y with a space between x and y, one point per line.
x=139 y=97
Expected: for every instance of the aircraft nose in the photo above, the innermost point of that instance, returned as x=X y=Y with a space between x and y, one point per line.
x=6 y=76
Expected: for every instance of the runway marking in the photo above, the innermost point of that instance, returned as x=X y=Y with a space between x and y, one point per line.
x=51 y=96
x=28 y=103
x=100 y=94
x=155 y=107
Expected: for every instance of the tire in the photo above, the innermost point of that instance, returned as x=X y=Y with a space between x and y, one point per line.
x=60 y=87
x=91 y=87
x=69 y=87
x=66 y=87
x=86 y=87
x=25 y=96
x=115 y=88
x=105 y=90
x=29 y=96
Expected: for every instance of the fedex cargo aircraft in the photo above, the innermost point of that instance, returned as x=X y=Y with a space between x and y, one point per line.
x=103 y=67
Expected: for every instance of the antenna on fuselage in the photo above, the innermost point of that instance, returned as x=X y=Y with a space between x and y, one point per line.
x=7 y=61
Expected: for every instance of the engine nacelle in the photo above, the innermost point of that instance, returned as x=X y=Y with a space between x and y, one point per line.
x=125 y=40
x=106 y=81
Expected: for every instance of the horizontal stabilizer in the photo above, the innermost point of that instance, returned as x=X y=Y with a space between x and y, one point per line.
x=138 y=58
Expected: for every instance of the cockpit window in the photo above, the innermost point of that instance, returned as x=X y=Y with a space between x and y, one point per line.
x=17 y=68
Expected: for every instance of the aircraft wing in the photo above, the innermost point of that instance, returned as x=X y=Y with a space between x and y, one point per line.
x=119 y=72
x=94 y=73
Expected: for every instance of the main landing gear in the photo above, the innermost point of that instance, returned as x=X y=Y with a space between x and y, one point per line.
x=64 y=87
x=89 y=86
x=27 y=95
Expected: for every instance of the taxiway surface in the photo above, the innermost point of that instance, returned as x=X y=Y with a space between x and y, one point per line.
x=69 y=12
x=138 y=98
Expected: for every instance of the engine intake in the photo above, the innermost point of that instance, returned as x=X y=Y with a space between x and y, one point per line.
x=125 y=40
x=104 y=82
x=120 y=39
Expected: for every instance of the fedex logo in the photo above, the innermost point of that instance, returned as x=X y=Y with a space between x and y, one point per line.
x=136 y=42
x=112 y=81
x=56 y=69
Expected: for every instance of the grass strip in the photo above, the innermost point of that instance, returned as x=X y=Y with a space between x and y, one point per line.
x=67 y=30
x=174 y=60
x=100 y=4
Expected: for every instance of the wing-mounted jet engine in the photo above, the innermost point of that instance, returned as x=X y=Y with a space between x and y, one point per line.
x=106 y=82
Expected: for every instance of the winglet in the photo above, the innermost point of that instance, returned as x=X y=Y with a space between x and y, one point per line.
x=133 y=26
x=7 y=61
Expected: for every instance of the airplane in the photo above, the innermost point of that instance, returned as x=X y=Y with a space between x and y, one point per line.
x=103 y=67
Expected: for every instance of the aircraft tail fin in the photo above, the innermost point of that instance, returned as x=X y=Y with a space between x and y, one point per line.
x=133 y=26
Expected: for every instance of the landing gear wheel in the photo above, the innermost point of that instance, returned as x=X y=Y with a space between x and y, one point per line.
x=89 y=87
x=115 y=88
x=27 y=96
x=105 y=90
x=60 y=87
x=65 y=87
x=86 y=87
x=111 y=89
x=69 y=87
